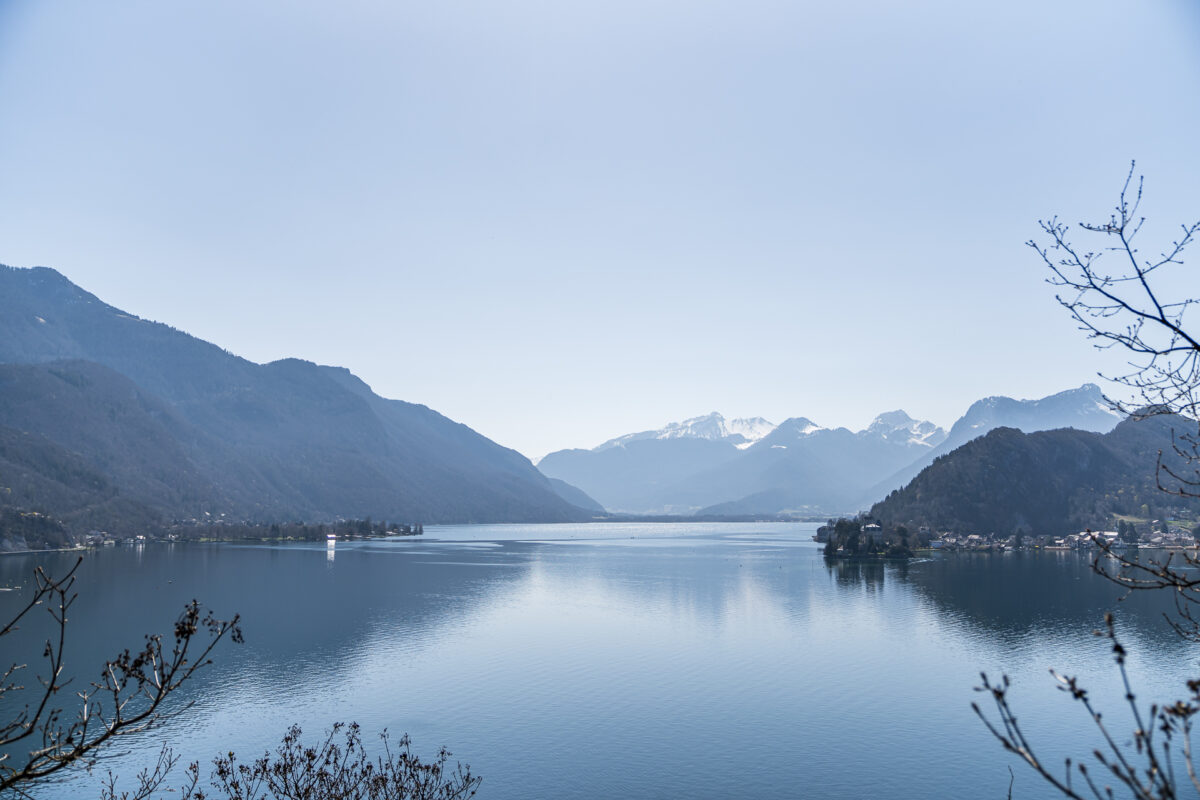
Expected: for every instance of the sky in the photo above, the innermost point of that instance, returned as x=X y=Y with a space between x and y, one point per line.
x=561 y=222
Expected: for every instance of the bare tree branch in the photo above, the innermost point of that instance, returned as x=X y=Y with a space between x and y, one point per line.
x=1121 y=307
x=128 y=698
x=1125 y=309
x=1143 y=766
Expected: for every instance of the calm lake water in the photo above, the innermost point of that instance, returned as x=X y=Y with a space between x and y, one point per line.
x=634 y=661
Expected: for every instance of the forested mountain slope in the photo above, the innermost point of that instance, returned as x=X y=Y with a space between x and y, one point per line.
x=183 y=427
x=1043 y=483
x=1083 y=409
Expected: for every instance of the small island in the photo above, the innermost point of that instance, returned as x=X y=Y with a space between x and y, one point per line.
x=866 y=539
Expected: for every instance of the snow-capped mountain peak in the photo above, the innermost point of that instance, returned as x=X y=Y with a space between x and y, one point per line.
x=899 y=426
x=891 y=420
x=800 y=426
x=1084 y=408
x=741 y=432
x=751 y=429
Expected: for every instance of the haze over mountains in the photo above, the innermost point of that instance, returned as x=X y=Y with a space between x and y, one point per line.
x=741 y=433
x=712 y=466
x=129 y=414
x=111 y=421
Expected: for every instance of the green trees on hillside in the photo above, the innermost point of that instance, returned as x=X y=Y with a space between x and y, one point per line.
x=856 y=539
x=31 y=528
x=1043 y=483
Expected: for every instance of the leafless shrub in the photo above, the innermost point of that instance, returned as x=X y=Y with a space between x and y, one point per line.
x=43 y=738
x=338 y=768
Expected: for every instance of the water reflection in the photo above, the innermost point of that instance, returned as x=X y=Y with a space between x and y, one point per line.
x=869 y=575
x=576 y=668
x=1011 y=595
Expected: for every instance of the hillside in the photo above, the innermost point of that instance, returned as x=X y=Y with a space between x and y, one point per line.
x=1043 y=483
x=183 y=427
x=1083 y=409
x=576 y=496
x=638 y=476
x=38 y=476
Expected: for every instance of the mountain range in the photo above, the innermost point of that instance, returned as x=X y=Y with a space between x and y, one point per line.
x=114 y=422
x=1044 y=483
x=1083 y=409
x=109 y=420
x=713 y=466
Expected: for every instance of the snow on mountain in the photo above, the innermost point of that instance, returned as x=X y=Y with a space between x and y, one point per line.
x=899 y=426
x=797 y=426
x=892 y=428
x=895 y=427
x=1083 y=408
x=751 y=429
x=750 y=466
x=741 y=432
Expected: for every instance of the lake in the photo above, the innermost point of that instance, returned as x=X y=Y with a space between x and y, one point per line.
x=626 y=660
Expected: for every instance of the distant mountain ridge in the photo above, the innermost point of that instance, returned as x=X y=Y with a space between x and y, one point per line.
x=712 y=466
x=740 y=432
x=129 y=421
x=1050 y=482
x=183 y=428
x=803 y=468
x=1083 y=408
x=704 y=465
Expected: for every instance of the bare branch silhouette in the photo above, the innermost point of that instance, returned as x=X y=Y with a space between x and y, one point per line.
x=1124 y=307
x=43 y=737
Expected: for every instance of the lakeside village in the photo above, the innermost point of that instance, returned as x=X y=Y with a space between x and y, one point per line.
x=219 y=530
x=867 y=538
x=24 y=531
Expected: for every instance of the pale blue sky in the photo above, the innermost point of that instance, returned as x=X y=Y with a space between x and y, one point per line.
x=561 y=222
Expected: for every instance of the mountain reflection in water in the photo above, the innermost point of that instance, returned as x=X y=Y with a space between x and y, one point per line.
x=645 y=660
